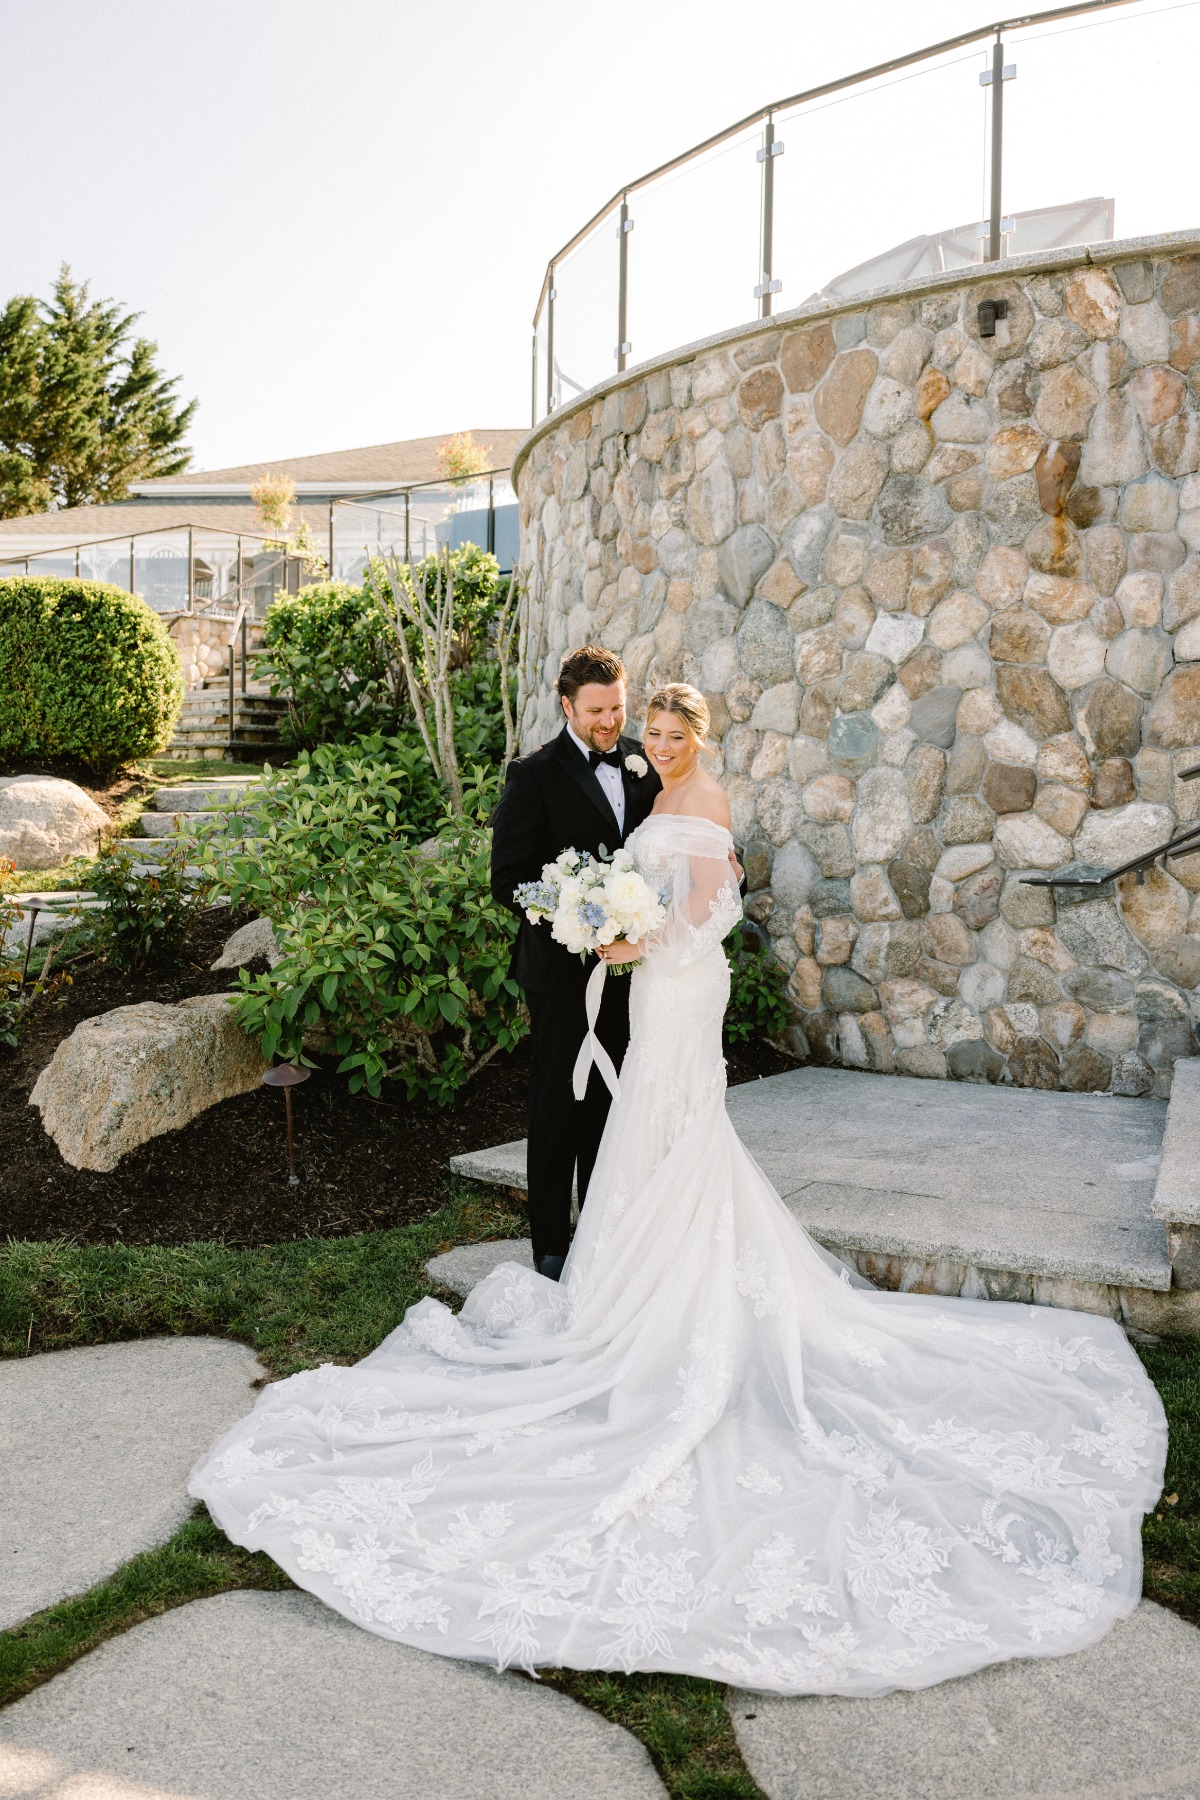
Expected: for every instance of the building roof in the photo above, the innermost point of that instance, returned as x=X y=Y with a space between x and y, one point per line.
x=398 y=464
x=91 y=524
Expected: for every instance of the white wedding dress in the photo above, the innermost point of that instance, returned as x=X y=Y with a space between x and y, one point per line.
x=712 y=1449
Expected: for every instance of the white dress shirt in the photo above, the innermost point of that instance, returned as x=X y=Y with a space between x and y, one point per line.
x=610 y=779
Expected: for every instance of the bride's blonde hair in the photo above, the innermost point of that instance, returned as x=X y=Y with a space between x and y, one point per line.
x=686 y=702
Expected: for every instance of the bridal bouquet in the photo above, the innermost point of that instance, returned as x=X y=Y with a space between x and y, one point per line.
x=590 y=903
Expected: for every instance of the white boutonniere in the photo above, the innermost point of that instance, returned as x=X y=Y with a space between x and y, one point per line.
x=636 y=765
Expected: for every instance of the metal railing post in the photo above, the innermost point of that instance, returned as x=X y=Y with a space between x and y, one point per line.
x=551 y=297
x=771 y=148
x=229 y=744
x=491 y=524
x=332 y=577
x=132 y=567
x=407 y=533
x=78 y=570
x=191 y=585
x=243 y=653
x=624 y=227
x=995 y=213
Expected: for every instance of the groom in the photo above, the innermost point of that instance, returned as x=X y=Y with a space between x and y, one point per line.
x=586 y=788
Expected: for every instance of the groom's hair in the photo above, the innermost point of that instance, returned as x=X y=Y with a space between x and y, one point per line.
x=592 y=663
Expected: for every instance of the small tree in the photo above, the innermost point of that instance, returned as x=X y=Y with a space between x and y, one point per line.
x=420 y=606
x=274 y=496
x=460 y=457
x=84 y=408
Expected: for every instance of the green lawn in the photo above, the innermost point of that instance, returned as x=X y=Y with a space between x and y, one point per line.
x=333 y=1300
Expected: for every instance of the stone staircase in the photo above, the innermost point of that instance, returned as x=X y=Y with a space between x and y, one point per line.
x=1085 y=1201
x=204 y=730
x=178 y=811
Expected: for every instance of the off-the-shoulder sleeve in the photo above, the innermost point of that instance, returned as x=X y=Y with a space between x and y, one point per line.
x=699 y=886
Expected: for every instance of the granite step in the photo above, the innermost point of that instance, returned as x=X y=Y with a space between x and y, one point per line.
x=958 y=1188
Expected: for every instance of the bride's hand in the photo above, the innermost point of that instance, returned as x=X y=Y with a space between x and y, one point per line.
x=620 y=953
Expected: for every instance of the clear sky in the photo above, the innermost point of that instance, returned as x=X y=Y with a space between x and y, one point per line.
x=335 y=214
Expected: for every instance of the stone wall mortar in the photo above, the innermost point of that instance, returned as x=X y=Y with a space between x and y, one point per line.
x=943 y=595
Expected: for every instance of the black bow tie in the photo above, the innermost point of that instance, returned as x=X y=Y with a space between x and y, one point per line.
x=611 y=757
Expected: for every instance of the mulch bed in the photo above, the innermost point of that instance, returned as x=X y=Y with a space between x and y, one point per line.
x=365 y=1164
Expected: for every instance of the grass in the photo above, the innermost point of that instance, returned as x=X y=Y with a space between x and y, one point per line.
x=167 y=772
x=310 y=1301
x=1171 y=1535
x=681 y=1720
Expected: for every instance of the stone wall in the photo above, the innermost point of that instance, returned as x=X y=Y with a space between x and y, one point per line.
x=943 y=594
x=203 y=645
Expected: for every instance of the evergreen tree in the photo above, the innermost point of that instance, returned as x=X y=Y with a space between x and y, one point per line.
x=84 y=408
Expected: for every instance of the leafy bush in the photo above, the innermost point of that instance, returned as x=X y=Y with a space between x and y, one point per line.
x=326 y=648
x=90 y=678
x=757 y=1008
x=331 y=650
x=146 y=916
x=18 y=997
x=395 y=956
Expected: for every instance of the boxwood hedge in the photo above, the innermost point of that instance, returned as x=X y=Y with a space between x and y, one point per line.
x=89 y=677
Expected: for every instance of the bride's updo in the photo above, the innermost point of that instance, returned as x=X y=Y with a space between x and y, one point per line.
x=687 y=703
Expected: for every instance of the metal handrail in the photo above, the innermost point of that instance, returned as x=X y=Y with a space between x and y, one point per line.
x=1186 y=843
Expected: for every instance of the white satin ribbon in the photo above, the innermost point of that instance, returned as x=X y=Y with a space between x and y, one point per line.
x=592 y=1050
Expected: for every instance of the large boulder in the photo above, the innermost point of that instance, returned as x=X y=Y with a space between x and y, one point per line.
x=44 y=821
x=129 y=1075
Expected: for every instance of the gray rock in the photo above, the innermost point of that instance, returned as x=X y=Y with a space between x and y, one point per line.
x=248 y=941
x=765 y=647
x=128 y=1075
x=1100 y=989
x=844 y=991
x=97 y=1446
x=909 y=510
x=44 y=822
x=1044 y=1728
x=804 y=545
x=829 y=898
x=1093 y=933
x=743 y=560
x=853 y=743
x=277 y=1696
x=934 y=714
x=707 y=621
x=463 y=1267
x=1132 y=1074
x=793 y=873
x=970 y=1059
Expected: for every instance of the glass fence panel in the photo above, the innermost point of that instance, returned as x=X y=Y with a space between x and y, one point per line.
x=365 y=528
x=694 y=251
x=60 y=563
x=585 y=313
x=538 y=375
x=107 y=562
x=161 y=570
x=1098 y=127
x=264 y=575
x=883 y=183
x=214 y=570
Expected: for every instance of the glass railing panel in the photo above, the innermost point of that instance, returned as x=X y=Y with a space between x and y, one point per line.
x=585 y=314
x=694 y=249
x=60 y=563
x=214 y=569
x=161 y=569
x=363 y=529
x=1099 y=127
x=538 y=395
x=264 y=575
x=107 y=562
x=883 y=183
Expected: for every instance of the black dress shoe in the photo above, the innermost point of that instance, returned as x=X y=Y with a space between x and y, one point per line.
x=550 y=1266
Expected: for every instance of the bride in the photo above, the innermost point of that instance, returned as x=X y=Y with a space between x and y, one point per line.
x=712 y=1449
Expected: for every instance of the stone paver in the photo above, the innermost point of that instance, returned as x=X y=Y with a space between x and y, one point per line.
x=95 y=1449
x=1108 y=1723
x=275 y=1696
x=1177 y=1195
x=1047 y=1184
x=461 y=1268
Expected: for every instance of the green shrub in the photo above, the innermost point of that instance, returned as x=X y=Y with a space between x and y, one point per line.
x=88 y=675
x=757 y=1008
x=395 y=957
x=327 y=650
x=331 y=652
x=146 y=916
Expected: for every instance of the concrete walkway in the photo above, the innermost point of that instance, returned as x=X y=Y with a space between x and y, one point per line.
x=1109 y=1723
x=1044 y=1186
x=274 y=1696
x=95 y=1449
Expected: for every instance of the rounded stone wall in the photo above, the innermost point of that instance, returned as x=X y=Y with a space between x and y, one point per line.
x=942 y=592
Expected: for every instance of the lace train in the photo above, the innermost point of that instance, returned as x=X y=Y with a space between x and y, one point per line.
x=712 y=1449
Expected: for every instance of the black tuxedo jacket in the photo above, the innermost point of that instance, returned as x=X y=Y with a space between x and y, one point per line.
x=553 y=802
